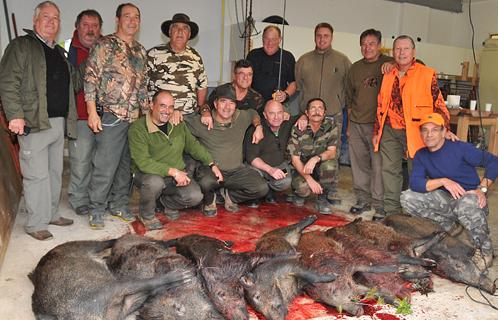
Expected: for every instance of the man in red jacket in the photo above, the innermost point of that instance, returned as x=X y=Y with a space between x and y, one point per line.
x=88 y=25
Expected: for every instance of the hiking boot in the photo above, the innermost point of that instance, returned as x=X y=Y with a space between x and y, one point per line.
x=270 y=197
x=360 y=207
x=333 y=199
x=219 y=199
x=297 y=200
x=96 y=221
x=159 y=206
x=210 y=210
x=378 y=217
x=152 y=224
x=124 y=215
x=380 y=211
x=322 y=206
x=482 y=259
x=82 y=210
x=41 y=235
x=379 y=214
x=289 y=198
x=230 y=206
x=62 y=222
x=456 y=230
x=254 y=204
x=171 y=214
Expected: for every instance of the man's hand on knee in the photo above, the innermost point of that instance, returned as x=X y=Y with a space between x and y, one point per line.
x=315 y=187
x=310 y=164
x=180 y=177
x=481 y=197
x=277 y=173
x=455 y=189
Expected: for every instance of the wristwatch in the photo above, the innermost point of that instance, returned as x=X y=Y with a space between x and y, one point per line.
x=483 y=189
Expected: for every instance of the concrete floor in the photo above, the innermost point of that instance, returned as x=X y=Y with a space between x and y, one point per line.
x=449 y=301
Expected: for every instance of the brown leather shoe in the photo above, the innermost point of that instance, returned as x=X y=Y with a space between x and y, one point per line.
x=62 y=222
x=41 y=235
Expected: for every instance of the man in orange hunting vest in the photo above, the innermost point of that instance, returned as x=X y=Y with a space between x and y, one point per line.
x=408 y=92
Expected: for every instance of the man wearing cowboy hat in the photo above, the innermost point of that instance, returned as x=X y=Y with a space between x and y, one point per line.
x=445 y=186
x=178 y=68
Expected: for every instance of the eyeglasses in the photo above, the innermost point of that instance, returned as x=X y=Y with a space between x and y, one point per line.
x=243 y=74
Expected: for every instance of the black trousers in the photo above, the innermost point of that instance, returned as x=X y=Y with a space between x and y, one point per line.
x=243 y=184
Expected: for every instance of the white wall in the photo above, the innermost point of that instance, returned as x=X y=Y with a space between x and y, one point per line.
x=299 y=40
x=354 y=16
x=206 y=13
x=445 y=37
x=347 y=16
x=485 y=19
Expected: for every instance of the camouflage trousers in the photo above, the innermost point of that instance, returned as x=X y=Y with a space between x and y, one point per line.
x=338 y=120
x=440 y=207
x=324 y=173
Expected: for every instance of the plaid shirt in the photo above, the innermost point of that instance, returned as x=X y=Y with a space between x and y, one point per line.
x=116 y=78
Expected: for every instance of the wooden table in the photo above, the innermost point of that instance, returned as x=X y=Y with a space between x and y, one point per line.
x=463 y=121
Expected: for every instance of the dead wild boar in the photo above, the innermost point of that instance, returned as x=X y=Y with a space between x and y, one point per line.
x=72 y=282
x=409 y=268
x=221 y=271
x=272 y=285
x=140 y=257
x=323 y=255
x=350 y=237
x=285 y=239
x=453 y=256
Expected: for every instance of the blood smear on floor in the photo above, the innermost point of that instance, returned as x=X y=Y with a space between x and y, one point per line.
x=244 y=228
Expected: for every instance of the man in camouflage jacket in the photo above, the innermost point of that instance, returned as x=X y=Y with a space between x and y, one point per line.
x=115 y=80
x=178 y=68
x=313 y=152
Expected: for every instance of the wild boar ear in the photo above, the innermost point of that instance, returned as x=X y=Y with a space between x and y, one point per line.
x=247 y=281
x=257 y=258
x=279 y=288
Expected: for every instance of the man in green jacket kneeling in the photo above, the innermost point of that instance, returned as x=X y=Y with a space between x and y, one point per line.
x=156 y=148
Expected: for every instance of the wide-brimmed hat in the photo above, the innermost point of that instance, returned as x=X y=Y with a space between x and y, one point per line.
x=183 y=18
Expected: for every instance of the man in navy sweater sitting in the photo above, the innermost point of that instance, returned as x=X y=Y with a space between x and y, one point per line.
x=445 y=186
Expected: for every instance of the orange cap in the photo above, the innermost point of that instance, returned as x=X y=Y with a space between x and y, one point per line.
x=435 y=118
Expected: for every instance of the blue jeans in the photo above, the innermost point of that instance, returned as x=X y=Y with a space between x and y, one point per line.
x=110 y=181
